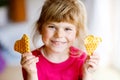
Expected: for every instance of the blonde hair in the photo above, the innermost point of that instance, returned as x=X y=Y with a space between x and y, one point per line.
x=72 y=11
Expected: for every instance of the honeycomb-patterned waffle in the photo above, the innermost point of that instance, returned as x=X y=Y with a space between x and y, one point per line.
x=91 y=43
x=22 y=45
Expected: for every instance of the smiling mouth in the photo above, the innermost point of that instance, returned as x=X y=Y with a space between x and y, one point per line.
x=58 y=43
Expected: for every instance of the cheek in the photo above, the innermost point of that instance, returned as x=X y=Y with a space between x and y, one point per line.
x=46 y=35
x=71 y=37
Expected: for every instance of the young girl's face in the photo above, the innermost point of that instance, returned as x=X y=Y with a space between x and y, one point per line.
x=58 y=37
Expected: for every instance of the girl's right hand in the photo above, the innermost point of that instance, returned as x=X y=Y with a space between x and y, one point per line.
x=28 y=62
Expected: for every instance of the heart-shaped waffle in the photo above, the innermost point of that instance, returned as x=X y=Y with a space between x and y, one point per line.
x=22 y=45
x=91 y=43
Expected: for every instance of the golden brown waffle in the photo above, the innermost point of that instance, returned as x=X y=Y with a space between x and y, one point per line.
x=23 y=45
x=91 y=43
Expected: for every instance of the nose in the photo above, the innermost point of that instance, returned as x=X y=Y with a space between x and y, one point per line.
x=59 y=34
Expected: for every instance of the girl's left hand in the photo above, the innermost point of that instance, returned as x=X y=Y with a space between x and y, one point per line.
x=90 y=66
x=91 y=63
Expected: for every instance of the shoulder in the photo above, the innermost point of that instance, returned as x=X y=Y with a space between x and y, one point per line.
x=37 y=52
x=78 y=53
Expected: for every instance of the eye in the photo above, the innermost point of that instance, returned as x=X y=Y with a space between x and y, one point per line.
x=68 y=29
x=51 y=26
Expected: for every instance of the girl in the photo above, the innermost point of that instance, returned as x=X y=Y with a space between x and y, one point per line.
x=61 y=24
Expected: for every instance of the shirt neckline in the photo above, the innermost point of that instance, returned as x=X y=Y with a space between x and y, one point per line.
x=63 y=62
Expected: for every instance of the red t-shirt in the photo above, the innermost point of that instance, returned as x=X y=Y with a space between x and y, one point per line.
x=71 y=69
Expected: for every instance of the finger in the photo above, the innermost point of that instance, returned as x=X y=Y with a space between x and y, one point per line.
x=31 y=61
x=92 y=64
x=96 y=54
x=25 y=54
x=25 y=58
x=91 y=67
x=93 y=61
x=95 y=57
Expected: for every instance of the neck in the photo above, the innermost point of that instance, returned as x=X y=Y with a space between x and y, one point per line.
x=55 y=57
